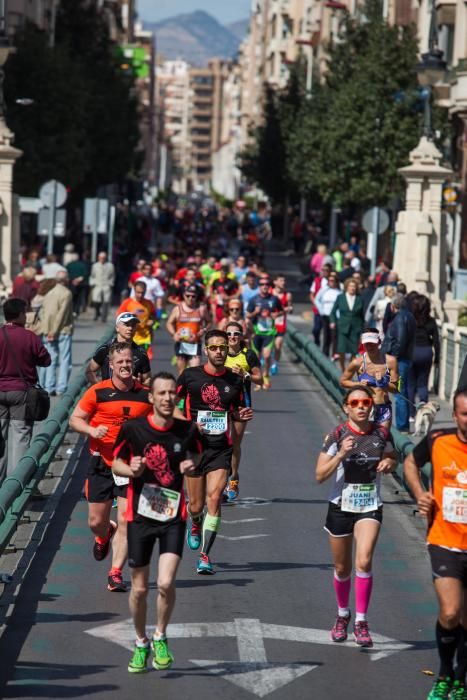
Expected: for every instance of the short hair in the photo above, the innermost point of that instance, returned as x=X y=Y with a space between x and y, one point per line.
x=369 y=329
x=161 y=375
x=13 y=307
x=140 y=283
x=461 y=391
x=215 y=334
x=366 y=390
x=398 y=301
x=348 y=281
x=234 y=323
x=118 y=346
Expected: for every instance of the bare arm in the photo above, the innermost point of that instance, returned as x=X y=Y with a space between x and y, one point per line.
x=256 y=375
x=327 y=464
x=79 y=422
x=171 y=322
x=91 y=372
x=393 y=368
x=347 y=375
x=424 y=499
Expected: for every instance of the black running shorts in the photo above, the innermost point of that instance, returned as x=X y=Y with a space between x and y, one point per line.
x=213 y=459
x=445 y=563
x=341 y=524
x=100 y=486
x=142 y=537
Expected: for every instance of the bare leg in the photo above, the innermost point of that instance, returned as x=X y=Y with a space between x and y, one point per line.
x=120 y=544
x=138 y=599
x=99 y=518
x=238 y=430
x=167 y=571
x=196 y=487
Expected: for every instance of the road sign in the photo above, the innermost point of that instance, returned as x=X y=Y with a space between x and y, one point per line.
x=95 y=220
x=44 y=222
x=50 y=190
x=371 y=215
x=252 y=672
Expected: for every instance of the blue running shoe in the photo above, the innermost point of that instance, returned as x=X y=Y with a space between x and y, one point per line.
x=232 y=490
x=193 y=535
x=274 y=368
x=204 y=565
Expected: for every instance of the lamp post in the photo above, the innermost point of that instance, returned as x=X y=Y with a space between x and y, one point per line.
x=308 y=93
x=430 y=71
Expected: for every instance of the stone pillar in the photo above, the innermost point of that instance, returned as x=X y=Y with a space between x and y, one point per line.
x=420 y=250
x=8 y=229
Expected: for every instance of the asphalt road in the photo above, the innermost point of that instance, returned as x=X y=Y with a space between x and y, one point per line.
x=260 y=626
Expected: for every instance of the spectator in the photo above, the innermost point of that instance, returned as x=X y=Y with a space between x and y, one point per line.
x=69 y=254
x=324 y=301
x=347 y=319
x=400 y=342
x=21 y=351
x=367 y=291
x=425 y=353
x=316 y=285
x=33 y=260
x=25 y=285
x=57 y=330
x=101 y=282
x=78 y=272
x=52 y=267
x=381 y=304
x=33 y=320
x=355 y=263
x=382 y=274
x=347 y=270
x=392 y=280
x=320 y=258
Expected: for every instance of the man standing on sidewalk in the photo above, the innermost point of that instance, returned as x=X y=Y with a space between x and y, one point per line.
x=20 y=352
x=101 y=282
x=57 y=330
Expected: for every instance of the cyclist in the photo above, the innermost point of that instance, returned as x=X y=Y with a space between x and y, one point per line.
x=263 y=309
x=186 y=324
x=154 y=452
x=100 y=412
x=214 y=397
x=285 y=298
x=444 y=505
x=355 y=455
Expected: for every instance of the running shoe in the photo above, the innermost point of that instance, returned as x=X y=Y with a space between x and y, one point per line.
x=362 y=634
x=458 y=691
x=138 y=662
x=339 y=631
x=232 y=490
x=274 y=368
x=100 y=550
x=266 y=382
x=441 y=689
x=193 y=535
x=163 y=657
x=204 y=565
x=164 y=315
x=115 y=581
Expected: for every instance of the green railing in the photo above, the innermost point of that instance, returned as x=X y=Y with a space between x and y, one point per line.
x=19 y=486
x=328 y=376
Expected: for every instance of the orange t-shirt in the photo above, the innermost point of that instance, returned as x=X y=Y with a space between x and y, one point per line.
x=143 y=310
x=448 y=456
x=107 y=405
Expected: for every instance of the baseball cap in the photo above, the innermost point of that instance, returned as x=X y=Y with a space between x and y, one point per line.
x=126 y=317
x=192 y=289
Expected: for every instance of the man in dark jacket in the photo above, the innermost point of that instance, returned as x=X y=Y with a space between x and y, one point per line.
x=399 y=341
x=21 y=351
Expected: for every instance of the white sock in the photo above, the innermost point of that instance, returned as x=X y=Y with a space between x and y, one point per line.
x=158 y=635
x=360 y=617
x=142 y=642
x=343 y=612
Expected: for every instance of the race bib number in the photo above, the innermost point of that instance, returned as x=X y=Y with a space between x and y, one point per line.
x=213 y=422
x=455 y=505
x=280 y=320
x=264 y=323
x=359 y=498
x=120 y=480
x=189 y=349
x=158 y=503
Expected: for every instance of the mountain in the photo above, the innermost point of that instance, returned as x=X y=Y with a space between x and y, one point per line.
x=195 y=37
x=239 y=28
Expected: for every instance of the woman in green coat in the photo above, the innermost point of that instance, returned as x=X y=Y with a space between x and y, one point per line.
x=347 y=318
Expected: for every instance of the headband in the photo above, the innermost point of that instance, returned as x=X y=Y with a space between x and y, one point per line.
x=370 y=338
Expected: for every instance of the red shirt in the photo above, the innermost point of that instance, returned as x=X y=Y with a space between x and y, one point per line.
x=26 y=351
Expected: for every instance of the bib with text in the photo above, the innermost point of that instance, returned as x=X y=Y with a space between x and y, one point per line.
x=455 y=505
x=359 y=498
x=158 y=503
x=213 y=422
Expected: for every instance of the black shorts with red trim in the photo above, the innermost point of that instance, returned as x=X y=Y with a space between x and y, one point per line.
x=100 y=486
x=339 y=523
x=445 y=563
x=142 y=536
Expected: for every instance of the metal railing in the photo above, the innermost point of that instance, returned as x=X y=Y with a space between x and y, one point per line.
x=20 y=485
x=328 y=376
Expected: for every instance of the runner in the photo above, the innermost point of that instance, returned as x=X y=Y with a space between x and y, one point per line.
x=145 y=312
x=234 y=314
x=377 y=370
x=263 y=309
x=355 y=454
x=445 y=507
x=154 y=291
x=99 y=414
x=244 y=362
x=186 y=324
x=213 y=398
x=222 y=290
x=125 y=326
x=280 y=323
x=153 y=451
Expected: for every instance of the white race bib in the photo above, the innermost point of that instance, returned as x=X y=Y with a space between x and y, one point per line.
x=189 y=349
x=158 y=503
x=280 y=320
x=120 y=480
x=359 y=498
x=455 y=505
x=264 y=323
x=213 y=422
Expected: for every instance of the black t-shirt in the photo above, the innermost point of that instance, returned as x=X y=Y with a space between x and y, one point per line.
x=203 y=391
x=163 y=450
x=141 y=363
x=227 y=286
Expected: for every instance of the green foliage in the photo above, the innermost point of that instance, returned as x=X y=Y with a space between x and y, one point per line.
x=82 y=128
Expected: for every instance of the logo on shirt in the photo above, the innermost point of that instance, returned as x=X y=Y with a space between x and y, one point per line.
x=177 y=447
x=211 y=397
x=227 y=389
x=157 y=461
x=461 y=477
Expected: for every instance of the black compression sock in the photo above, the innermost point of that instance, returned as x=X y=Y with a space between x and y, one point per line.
x=461 y=668
x=447 y=641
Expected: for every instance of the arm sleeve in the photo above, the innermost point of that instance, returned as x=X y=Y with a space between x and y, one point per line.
x=252 y=359
x=421 y=453
x=41 y=354
x=251 y=305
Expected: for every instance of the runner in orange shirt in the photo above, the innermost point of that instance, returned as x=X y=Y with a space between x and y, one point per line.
x=145 y=311
x=445 y=507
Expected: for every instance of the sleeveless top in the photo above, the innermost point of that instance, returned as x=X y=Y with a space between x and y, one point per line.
x=372 y=381
x=281 y=320
x=188 y=321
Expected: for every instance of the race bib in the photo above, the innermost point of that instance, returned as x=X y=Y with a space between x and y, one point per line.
x=213 y=422
x=189 y=348
x=158 y=503
x=264 y=323
x=455 y=505
x=280 y=320
x=359 y=498
x=120 y=480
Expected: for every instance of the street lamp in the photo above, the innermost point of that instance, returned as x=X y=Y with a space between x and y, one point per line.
x=308 y=93
x=430 y=71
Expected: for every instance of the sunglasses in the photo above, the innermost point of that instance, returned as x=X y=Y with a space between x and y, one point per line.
x=235 y=308
x=233 y=334
x=264 y=284
x=213 y=348
x=190 y=296
x=366 y=403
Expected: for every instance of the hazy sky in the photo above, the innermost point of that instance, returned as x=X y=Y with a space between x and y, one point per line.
x=224 y=10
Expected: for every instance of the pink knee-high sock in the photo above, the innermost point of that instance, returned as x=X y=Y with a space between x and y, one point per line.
x=342 y=588
x=363 y=587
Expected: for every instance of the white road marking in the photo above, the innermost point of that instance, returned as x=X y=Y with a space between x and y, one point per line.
x=244 y=520
x=241 y=537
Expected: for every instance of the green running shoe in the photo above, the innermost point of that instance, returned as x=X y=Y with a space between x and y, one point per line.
x=138 y=662
x=458 y=691
x=163 y=657
x=441 y=689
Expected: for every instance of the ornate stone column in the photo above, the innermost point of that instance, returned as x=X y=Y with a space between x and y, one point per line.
x=9 y=230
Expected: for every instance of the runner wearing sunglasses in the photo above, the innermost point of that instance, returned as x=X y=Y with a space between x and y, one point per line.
x=186 y=324
x=234 y=314
x=244 y=362
x=355 y=455
x=214 y=398
x=263 y=310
